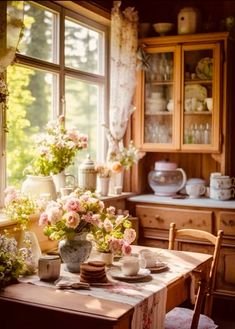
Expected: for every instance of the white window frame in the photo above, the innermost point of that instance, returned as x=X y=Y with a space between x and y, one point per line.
x=83 y=17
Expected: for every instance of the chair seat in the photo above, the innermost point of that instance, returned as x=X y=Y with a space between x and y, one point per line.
x=181 y=318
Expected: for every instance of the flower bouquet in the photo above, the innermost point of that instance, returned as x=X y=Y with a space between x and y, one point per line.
x=56 y=149
x=19 y=208
x=70 y=215
x=125 y=158
x=112 y=233
x=11 y=261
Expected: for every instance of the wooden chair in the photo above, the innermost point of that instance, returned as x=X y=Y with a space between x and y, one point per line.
x=192 y=319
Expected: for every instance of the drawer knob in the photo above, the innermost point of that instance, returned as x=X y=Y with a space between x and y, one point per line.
x=158 y=218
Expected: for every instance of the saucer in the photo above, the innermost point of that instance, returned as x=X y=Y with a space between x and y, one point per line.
x=161 y=267
x=116 y=273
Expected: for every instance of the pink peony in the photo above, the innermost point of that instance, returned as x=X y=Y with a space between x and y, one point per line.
x=111 y=210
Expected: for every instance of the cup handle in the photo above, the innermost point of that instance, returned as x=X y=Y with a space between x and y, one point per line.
x=233 y=192
x=202 y=190
x=233 y=181
x=142 y=263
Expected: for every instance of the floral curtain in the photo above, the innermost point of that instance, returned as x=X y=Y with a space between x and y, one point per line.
x=124 y=40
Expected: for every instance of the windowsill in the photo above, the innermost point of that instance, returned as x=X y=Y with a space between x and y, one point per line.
x=4 y=221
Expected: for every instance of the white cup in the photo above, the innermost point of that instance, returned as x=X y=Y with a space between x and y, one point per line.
x=131 y=265
x=221 y=182
x=150 y=257
x=209 y=103
x=222 y=194
x=49 y=268
x=195 y=190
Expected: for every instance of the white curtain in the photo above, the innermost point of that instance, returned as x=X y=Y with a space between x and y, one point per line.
x=124 y=40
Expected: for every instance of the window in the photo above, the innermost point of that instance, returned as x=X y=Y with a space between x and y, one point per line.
x=61 y=69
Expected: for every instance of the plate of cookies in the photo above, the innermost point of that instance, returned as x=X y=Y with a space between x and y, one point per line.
x=143 y=273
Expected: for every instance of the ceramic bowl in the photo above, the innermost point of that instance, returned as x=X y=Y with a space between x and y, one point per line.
x=163 y=28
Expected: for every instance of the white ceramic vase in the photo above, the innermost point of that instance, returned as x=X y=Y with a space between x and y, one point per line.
x=38 y=186
x=103 y=185
x=116 y=183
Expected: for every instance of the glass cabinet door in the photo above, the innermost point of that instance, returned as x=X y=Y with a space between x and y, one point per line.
x=200 y=85
x=159 y=103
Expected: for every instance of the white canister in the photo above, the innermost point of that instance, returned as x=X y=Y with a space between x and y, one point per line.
x=188 y=20
x=87 y=175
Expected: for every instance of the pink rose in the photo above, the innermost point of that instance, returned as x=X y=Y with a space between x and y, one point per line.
x=115 y=245
x=129 y=235
x=54 y=214
x=111 y=210
x=108 y=226
x=73 y=204
x=43 y=220
x=72 y=219
x=126 y=249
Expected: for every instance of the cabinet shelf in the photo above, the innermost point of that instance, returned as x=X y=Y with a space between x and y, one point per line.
x=161 y=83
x=159 y=113
x=198 y=81
x=197 y=113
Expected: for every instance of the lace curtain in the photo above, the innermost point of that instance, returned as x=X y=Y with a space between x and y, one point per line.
x=11 y=18
x=124 y=40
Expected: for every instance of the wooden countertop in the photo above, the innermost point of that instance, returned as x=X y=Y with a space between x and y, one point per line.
x=200 y=202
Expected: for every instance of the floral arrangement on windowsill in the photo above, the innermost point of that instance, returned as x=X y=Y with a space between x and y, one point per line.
x=19 y=208
x=103 y=170
x=56 y=149
x=112 y=233
x=125 y=158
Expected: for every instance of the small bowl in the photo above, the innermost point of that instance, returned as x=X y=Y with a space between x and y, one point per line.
x=163 y=28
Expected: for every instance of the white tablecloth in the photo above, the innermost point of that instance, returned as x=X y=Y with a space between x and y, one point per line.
x=147 y=298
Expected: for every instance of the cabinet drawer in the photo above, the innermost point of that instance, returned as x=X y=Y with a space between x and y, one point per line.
x=227 y=222
x=161 y=218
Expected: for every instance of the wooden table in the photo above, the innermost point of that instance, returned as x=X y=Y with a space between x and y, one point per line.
x=32 y=307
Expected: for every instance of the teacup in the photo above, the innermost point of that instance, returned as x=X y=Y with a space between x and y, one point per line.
x=49 y=268
x=149 y=256
x=131 y=265
x=222 y=194
x=209 y=103
x=221 y=182
x=195 y=190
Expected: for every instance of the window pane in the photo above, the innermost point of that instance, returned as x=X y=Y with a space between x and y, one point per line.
x=29 y=109
x=38 y=37
x=82 y=104
x=82 y=48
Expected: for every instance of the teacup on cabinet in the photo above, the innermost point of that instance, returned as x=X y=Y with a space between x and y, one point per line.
x=221 y=182
x=222 y=194
x=195 y=190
